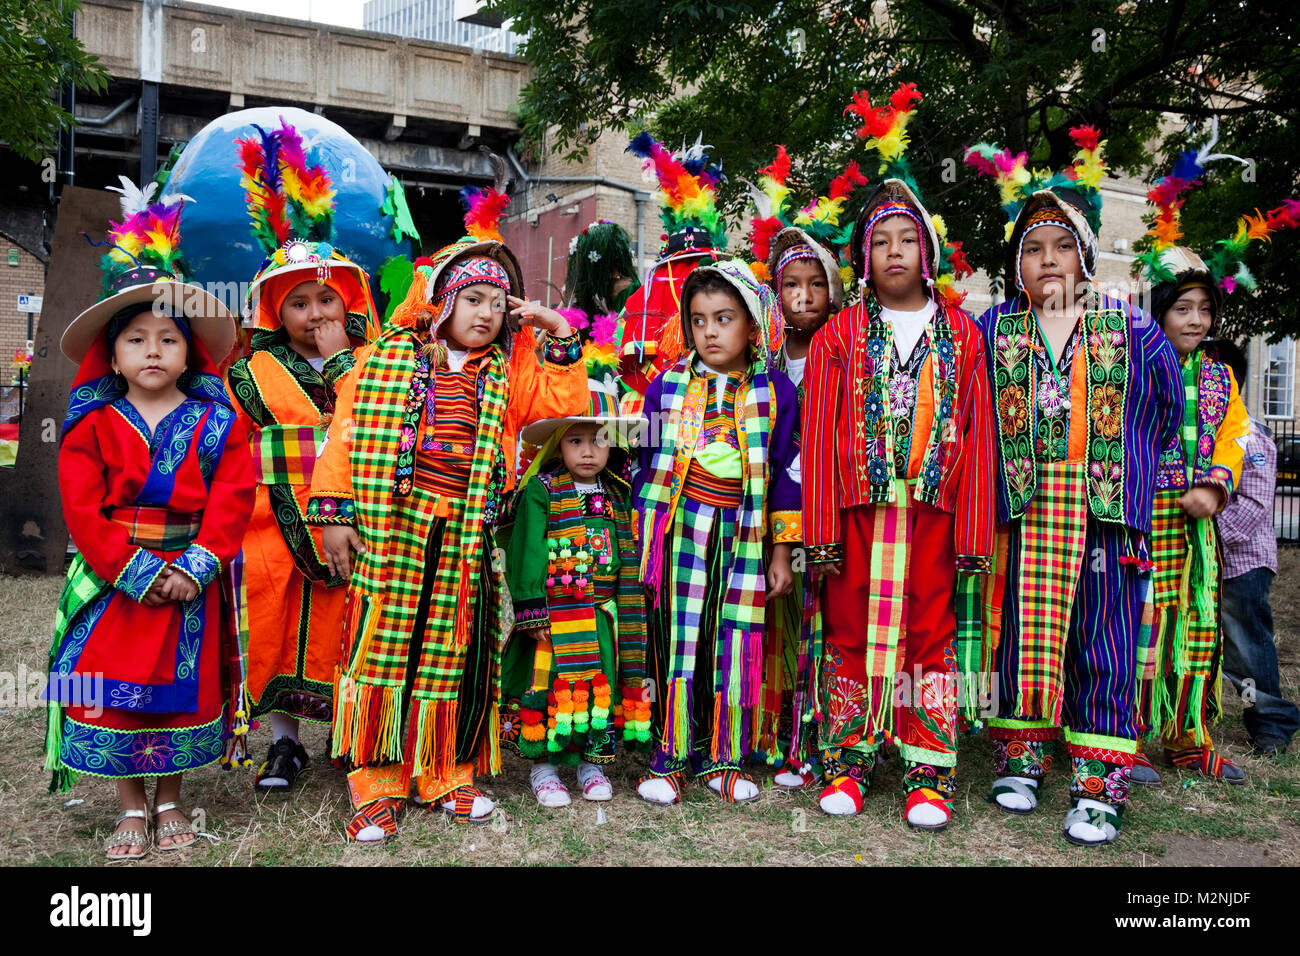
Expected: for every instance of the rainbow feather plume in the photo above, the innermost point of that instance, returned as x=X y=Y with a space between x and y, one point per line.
x=1089 y=164
x=1227 y=262
x=884 y=127
x=687 y=186
x=1009 y=170
x=307 y=188
x=285 y=196
x=149 y=237
x=483 y=210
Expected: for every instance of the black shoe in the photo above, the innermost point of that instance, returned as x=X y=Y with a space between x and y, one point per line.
x=1269 y=746
x=284 y=761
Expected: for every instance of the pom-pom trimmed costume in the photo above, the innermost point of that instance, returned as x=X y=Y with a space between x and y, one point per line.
x=418 y=457
x=293 y=604
x=713 y=484
x=1078 y=441
x=572 y=566
x=135 y=690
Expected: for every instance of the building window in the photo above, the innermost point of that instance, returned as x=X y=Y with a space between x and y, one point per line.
x=1279 y=379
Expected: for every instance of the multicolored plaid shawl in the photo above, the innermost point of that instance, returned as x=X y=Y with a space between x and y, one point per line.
x=1184 y=634
x=394 y=519
x=741 y=620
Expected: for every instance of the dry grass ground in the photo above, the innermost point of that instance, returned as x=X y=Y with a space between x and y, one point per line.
x=1188 y=821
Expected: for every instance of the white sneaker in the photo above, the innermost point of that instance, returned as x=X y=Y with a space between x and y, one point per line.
x=595 y=785
x=548 y=788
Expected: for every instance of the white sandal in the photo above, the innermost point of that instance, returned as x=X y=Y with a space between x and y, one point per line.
x=172 y=828
x=548 y=788
x=138 y=838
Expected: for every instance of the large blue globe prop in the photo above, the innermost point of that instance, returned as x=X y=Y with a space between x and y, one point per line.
x=218 y=244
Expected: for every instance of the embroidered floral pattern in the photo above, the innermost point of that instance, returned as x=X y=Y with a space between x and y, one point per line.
x=1012 y=411
x=1107 y=410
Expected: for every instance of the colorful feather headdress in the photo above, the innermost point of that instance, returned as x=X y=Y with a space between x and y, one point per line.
x=149 y=234
x=820 y=219
x=688 y=185
x=1227 y=262
x=884 y=128
x=1165 y=260
x=1017 y=182
x=483 y=211
x=286 y=198
x=1167 y=195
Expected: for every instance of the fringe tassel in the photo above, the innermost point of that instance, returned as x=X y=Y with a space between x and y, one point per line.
x=677 y=718
x=61 y=778
x=879 y=704
x=360 y=622
x=367 y=721
x=431 y=739
x=652 y=564
x=489 y=755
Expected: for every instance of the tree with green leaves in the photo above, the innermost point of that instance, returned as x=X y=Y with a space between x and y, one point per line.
x=753 y=73
x=40 y=54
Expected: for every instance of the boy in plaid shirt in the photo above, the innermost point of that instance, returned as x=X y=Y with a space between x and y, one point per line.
x=1249 y=566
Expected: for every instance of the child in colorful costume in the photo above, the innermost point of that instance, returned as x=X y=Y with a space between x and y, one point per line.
x=1178 y=667
x=896 y=451
x=573 y=670
x=714 y=481
x=1087 y=391
x=419 y=455
x=794 y=252
x=157 y=488
x=694 y=234
x=309 y=306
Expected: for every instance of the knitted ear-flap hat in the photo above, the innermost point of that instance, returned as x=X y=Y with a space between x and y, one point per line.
x=893 y=197
x=1070 y=198
x=792 y=244
x=884 y=127
x=759 y=301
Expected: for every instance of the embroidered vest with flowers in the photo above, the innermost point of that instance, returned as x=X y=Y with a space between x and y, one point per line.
x=1015 y=387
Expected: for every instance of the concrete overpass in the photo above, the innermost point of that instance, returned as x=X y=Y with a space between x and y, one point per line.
x=421 y=108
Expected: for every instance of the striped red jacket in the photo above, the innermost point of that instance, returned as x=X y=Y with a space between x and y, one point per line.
x=834 y=464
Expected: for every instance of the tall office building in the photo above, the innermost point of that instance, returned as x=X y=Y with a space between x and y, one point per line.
x=457 y=22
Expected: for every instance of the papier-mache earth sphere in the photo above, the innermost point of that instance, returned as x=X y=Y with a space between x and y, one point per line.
x=219 y=246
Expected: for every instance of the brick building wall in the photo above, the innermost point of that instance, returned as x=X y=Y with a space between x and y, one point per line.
x=25 y=278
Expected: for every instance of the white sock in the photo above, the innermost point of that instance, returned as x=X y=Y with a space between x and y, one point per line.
x=927 y=815
x=743 y=790
x=282 y=725
x=1014 y=801
x=1084 y=830
x=838 y=804
x=482 y=806
x=602 y=790
x=787 y=778
x=370 y=834
x=656 y=790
